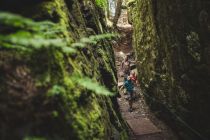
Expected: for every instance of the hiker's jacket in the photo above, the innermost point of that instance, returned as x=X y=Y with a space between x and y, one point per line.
x=128 y=85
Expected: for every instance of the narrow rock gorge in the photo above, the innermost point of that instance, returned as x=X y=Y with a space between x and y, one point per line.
x=60 y=65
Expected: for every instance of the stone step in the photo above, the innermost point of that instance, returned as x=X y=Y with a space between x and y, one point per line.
x=155 y=136
x=142 y=126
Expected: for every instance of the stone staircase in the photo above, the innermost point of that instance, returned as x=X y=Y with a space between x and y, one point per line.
x=140 y=125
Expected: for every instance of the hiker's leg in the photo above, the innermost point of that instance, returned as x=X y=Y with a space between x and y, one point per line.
x=130 y=103
x=131 y=100
x=134 y=94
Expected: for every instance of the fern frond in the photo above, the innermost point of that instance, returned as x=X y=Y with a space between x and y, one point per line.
x=29 y=35
x=91 y=85
x=93 y=39
x=55 y=90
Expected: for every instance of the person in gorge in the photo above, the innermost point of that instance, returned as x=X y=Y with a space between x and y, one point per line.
x=134 y=80
x=129 y=89
x=125 y=66
x=133 y=77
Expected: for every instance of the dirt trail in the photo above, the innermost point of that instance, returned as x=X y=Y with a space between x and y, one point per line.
x=143 y=124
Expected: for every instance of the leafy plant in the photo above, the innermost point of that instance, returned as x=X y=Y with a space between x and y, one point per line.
x=93 y=39
x=92 y=85
x=101 y=3
x=83 y=81
x=30 y=35
x=56 y=90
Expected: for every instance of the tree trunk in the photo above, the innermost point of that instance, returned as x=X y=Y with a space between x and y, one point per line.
x=117 y=13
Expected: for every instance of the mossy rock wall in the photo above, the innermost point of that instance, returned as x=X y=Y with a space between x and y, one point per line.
x=73 y=112
x=171 y=40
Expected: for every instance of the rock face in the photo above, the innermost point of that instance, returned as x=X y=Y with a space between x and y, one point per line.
x=171 y=40
x=39 y=99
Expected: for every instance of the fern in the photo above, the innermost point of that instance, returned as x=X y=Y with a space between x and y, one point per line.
x=56 y=90
x=30 y=35
x=81 y=81
x=91 y=85
x=93 y=39
x=13 y=20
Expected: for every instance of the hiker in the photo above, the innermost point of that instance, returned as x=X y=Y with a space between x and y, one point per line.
x=125 y=67
x=133 y=77
x=134 y=80
x=129 y=89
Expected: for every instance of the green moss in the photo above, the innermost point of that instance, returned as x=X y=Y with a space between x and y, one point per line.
x=168 y=48
x=59 y=107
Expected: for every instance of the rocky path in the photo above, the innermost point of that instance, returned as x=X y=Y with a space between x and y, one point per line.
x=141 y=119
x=143 y=124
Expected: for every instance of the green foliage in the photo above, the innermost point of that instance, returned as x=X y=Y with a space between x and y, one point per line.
x=17 y=21
x=93 y=39
x=55 y=90
x=101 y=3
x=83 y=81
x=92 y=85
x=29 y=36
x=32 y=35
